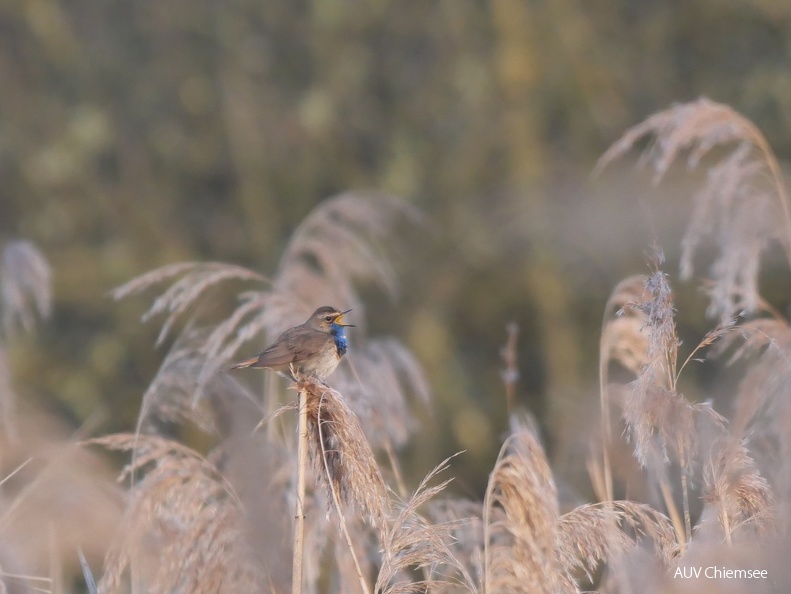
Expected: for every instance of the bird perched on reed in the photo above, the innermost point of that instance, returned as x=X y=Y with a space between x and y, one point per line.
x=311 y=349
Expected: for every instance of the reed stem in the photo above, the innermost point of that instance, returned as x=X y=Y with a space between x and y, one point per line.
x=299 y=517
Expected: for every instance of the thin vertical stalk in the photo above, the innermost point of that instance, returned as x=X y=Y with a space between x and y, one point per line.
x=672 y=511
x=486 y=518
x=396 y=468
x=606 y=433
x=726 y=523
x=299 y=517
x=684 y=493
x=604 y=401
x=510 y=374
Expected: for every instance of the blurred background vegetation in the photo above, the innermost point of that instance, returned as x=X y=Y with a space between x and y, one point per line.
x=140 y=133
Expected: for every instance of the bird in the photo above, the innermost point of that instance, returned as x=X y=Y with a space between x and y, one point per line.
x=311 y=349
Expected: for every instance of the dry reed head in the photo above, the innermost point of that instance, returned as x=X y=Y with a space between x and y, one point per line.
x=763 y=389
x=56 y=497
x=761 y=410
x=25 y=286
x=341 y=451
x=531 y=547
x=624 y=337
x=191 y=284
x=742 y=217
x=340 y=242
x=171 y=395
x=656 y=415
x=464 y=518
x=193 y=281
x=412 y=542
x=25 y=295
x=734 y=487
x=183 y=392
x=652 y=405
x=741 y=206
x=591 y=534
x=183 y=529
x=520 y=519
x=698 y=126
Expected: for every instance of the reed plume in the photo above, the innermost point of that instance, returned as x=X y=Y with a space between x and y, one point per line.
x=734 y=487
x=183 y=529
x=340 y=243
x=352 y=227
x=380 y=381
x=654 y=409
x=341 y=452
x=191 y=282
x=464 y=518
x=530 y=546
x=742 y=206
x=55 y=497
x=761 y=415
x=25 y=296
x=412 y=542
x=623 y=340
x=25 y=286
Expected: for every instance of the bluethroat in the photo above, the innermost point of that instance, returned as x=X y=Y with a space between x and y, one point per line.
x=311 y=349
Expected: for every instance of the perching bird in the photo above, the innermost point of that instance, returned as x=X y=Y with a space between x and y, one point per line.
x=311 y=349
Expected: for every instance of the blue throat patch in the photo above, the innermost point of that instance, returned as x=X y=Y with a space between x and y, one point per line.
x=339 y=334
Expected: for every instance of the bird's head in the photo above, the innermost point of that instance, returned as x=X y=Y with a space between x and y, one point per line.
x=324 y=318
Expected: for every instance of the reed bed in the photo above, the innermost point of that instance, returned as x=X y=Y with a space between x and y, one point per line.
x=678 y=484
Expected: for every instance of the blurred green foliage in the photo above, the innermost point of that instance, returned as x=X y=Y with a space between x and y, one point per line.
x=140 y=133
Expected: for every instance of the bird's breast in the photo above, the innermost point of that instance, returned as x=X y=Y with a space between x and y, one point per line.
x=324 y=362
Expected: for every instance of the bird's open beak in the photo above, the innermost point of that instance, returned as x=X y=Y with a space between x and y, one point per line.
x=339 y=320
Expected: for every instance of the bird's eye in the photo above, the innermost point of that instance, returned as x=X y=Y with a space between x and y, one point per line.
x=328 y=318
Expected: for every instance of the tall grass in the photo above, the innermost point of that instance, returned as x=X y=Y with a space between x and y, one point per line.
x=741 y=211
x=703 y=480
x=680 y=482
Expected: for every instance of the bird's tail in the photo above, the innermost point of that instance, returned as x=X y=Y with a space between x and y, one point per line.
x=244 y=364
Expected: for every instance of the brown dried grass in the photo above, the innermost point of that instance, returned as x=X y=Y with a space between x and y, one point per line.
x=531 y=547
x=656 y=414
x=184 y=527
x=742 y=206
x=341 y=451
x=743 y=470
x=411 y=542
x=520 y=544
x=734 y=487
x=55 y=497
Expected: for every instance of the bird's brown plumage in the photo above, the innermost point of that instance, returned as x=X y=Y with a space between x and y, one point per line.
x=308 y=349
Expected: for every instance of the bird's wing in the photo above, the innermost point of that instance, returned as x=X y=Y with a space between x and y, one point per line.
x=293 y=348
